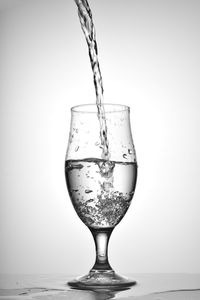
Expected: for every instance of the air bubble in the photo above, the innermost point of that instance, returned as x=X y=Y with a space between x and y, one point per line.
x=90 y=200
x=88 y=191
x=130 y=151
x=106 y=168
x=107 y=186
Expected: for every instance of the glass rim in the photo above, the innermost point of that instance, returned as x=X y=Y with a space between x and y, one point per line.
x=109 y=108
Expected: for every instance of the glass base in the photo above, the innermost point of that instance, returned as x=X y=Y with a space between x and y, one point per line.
x=107 y=280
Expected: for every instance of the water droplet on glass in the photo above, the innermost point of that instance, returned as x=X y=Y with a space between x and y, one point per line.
x=125 y=156
x=76 y=149
x=71 y=138
x=75 y=130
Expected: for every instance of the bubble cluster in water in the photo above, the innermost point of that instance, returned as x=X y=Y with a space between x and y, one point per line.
x=101 y=191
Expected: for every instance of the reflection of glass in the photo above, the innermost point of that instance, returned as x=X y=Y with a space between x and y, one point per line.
x=101 y=190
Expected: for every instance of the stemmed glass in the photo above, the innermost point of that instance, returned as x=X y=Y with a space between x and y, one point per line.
x=100 y=189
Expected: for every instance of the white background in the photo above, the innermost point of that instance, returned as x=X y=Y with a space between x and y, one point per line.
x=149 y=56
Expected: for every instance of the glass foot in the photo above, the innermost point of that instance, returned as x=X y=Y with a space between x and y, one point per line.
x=101 y=280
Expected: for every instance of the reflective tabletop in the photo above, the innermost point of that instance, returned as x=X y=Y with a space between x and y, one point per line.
x=54 y=287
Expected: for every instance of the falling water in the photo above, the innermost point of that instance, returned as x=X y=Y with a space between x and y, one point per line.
x=85 y=16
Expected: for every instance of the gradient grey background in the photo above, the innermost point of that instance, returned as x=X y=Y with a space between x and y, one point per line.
x=149 y=55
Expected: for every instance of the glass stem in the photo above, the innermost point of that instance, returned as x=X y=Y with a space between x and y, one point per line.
x=101 y=239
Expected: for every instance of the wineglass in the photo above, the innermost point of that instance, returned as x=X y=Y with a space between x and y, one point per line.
x=101 y=189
